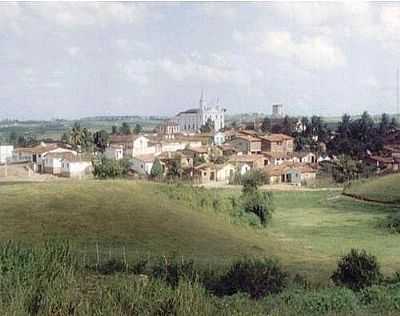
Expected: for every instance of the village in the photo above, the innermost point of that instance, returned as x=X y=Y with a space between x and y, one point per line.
x=199 y=147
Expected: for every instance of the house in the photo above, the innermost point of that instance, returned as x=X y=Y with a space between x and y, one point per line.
x=304 y=157
x=198 y=152
x=52 y=160
x=6 y=153
x=133 y=145
x=22 y=154
x=142 y=164
x=227 y=150
x=278 y=158
x=169 y=129
x=380 y=162
x=208 y=172
x=115 y=152
x=247 y=144
x=219 y=138
x=75 y=168
x=290 y=173
x=277 y=143
x=245 y=163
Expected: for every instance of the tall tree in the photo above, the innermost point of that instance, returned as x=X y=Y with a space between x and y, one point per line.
x=137 y=129
x=125 y=129
x=101 y=139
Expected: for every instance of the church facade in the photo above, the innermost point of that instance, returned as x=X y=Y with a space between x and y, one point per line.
x=190 y=121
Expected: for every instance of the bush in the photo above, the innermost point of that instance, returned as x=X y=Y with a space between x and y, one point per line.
x=260 y=204
x=357 y=270
x=381 y=297
x=256 y=277
x=104 y=168
x=252 y=179
x=171 y=270
x=393 y=222
x=316 y=302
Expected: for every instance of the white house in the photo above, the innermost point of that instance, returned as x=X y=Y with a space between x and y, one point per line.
x=219 y=138
x=75 y=168
x=191 y=120
x=142 y=164
x=133 y=145
x=6 y=153
x=115 y=152
x=52 y=161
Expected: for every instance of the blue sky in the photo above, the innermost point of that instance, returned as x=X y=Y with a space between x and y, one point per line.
x=78 y=59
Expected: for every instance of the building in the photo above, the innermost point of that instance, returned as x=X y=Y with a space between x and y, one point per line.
x=208 y=172
x=190 y=121
x=290 y=173
x=6 y=153
x=133 y=145
x=277 y=143
x=75 y=168
x=52 y=160
x=142 y=164
x=246 y=144
x=169 y=128
x=244 y=163
x=277 y=111
x=115 y=152
x=219 y=138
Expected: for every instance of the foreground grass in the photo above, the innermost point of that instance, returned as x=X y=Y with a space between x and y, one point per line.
x=382 y=189
x=308 y=232
x=49 y=280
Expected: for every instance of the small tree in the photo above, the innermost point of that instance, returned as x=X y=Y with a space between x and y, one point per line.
x=257 y=277
x=208 y=127
x=104 y=168
x=157 y=169
x=252 y=180
x=137 y=129
x=357 y=270
x=125 y=129
x=260 y=204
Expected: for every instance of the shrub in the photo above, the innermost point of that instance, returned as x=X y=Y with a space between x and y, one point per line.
x=315 y=302
x=256 y=277
x=357 y=270
x=260 y=204
x=111 y=266
x=381 y=297
x=252 y=179
x=393 y=222
x=171 y=270
x=104 y=168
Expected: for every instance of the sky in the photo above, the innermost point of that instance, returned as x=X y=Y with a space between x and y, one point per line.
x=76 y=59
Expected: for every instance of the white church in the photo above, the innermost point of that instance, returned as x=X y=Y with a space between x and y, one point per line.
x=191 y=120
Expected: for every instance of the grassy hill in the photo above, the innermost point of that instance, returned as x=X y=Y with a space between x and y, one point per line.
x=383 y=189
x=308 y=232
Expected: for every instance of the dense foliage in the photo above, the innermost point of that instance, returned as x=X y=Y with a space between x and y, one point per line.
x=104 y=168
x=256 y=277
x=357 y=270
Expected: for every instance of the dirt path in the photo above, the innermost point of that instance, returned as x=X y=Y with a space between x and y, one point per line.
x=273 y=187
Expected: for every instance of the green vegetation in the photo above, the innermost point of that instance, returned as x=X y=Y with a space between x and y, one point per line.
x=104 y=168
x=384 y=189
x=308 y=232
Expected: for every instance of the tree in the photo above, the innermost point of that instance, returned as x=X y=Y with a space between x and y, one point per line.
x=125 y=129
x=76 y=135
x=394 y=124
x=357 y=270
x=266 y=125
x=174 y=169
x=384 y=124
x=345 y=169
x=137 y=129
x=208 y=127
x=101 y=139
x=114 y=130
x=104 y=168
x=157 y=169
x=13 y=138
x=252 y=180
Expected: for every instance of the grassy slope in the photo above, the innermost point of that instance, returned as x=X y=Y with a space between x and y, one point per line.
x=117 y=213
x=385 y=189
x=308 y=232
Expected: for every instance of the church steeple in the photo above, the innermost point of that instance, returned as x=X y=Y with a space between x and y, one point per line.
x=202 y=102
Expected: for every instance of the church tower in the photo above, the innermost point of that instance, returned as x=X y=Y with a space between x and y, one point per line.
x=202 y=101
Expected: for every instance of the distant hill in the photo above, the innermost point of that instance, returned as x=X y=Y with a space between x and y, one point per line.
x=384 y=189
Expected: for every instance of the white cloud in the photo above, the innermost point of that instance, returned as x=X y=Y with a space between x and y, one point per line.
x=73 y=50
x=219 y=10
x=73 y=14
x=310 y=52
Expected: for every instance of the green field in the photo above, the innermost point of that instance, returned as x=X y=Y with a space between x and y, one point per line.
x=309 y=230
x=384 y=189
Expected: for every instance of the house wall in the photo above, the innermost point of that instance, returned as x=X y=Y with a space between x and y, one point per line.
x=285 y=146
x=241 y=145
x=114 y=153
x=75 y=169
x=6 y=153
x=140 y=166
x=224 y=174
